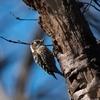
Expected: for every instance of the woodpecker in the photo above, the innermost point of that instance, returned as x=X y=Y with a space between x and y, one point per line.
x=44 y=57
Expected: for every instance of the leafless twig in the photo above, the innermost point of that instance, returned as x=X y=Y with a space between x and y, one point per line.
x=90 y=5
x=23 y=19
x=19 y=42
x=96 y=2
x=87 y=7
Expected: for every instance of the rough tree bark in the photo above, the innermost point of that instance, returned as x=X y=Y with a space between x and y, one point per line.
x=73 y=44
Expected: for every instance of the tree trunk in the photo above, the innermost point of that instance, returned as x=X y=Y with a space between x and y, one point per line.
x=73 y=44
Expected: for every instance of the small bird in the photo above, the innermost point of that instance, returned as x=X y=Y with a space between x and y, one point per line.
x=44 y=57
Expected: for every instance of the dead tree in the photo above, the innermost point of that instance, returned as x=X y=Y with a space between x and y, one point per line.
x=73 y=45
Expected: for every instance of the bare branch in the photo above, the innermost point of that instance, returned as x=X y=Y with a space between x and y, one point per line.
x=90 y=5
x=96 y=2
x=19 y=42
x=85 y=8
x=23 y=19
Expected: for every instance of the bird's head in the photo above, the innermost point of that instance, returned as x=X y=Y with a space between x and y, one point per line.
x=35 y=44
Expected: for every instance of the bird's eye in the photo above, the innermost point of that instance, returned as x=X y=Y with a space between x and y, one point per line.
x=38 y=42
x=34 y=42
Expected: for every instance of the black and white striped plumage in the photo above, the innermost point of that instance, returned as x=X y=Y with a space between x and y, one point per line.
x=44 y=57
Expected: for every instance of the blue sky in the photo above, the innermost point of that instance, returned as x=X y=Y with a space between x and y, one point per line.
x=38 y=82
x=39 y=85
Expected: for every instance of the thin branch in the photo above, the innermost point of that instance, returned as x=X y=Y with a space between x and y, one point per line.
x=23 y=19
x=96 y=2
x=85 y=8
x=90 y=5
x=19 y=42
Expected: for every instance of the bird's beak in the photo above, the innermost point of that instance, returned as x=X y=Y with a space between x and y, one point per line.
x=42 y=40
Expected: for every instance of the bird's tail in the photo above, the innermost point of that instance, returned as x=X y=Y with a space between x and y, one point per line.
x=54 y=75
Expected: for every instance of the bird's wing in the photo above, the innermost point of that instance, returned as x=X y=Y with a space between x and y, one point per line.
x=47 y=58
x=37 y=59
x=40 y=62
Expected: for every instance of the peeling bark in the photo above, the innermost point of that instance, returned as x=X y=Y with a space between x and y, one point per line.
x=73 y=44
